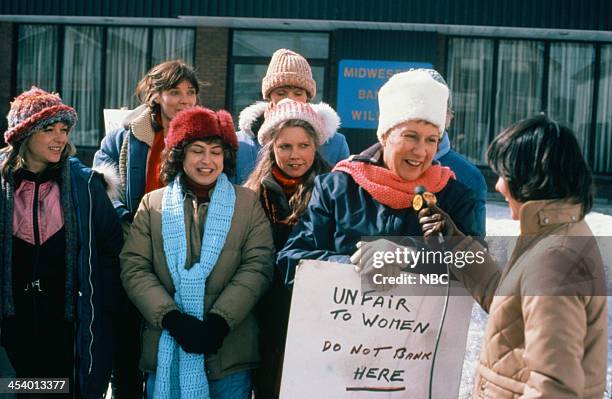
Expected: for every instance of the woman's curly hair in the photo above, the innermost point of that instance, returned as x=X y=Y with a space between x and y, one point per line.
x=173 y=157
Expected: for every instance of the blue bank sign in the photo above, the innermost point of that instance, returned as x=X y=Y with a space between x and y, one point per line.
x=358 y=84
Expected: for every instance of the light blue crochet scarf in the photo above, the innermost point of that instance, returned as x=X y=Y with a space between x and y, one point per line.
x=181 y=374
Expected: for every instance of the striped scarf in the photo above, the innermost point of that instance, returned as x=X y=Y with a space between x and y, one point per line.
x=181 y=374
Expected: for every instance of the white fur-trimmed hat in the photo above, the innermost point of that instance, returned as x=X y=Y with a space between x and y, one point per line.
x=324 y=120
x=412 y=95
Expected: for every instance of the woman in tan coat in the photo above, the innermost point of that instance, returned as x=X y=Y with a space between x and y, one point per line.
x=547 y=331
x=197 y=259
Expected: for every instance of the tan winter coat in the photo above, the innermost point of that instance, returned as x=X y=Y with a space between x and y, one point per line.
x=547 y=332
x=241 y=275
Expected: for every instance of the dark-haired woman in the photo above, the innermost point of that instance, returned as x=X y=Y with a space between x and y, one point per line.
x=197 y=259
x=59 y=251
x=135 y=151
x=547 y=331
x=284 y=178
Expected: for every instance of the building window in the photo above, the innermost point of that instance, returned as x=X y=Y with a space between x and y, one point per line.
x=603 y=138
x=81 y=83
x=126 y=63
x=251 y=52
x=264 y=43
x=528 y=77
x=470 y=76
x=520 y=71
x=570 y=87
x=172 y=44
x=37 y=57
x=97 y=67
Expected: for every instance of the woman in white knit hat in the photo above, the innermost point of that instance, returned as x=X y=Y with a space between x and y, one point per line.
x=284 y=178
x=372 y=194
x=288 y=76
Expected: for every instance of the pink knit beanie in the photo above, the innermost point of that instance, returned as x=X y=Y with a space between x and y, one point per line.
x=288 y=68
x=33 y=110
x=321 y=117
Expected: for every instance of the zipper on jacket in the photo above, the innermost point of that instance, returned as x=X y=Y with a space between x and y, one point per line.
x=128 y=192
x=91 y=289
x=34 y=276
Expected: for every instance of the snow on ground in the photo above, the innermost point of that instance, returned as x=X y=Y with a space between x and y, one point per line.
x=500 y=224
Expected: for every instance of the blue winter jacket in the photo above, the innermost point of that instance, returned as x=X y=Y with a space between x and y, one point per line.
x=333 y=150
x=98 y=281
x=469 y=175
x=340 y=213
x=97 y=284
x=126 y=150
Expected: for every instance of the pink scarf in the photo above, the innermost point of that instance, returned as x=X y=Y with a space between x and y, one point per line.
x=388 y=188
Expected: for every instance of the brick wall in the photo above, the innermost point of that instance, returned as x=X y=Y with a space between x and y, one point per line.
x=211 y=63
x=6 y=72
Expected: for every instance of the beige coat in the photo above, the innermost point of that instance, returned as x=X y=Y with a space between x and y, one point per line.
x=239 y=278
x=547 y=332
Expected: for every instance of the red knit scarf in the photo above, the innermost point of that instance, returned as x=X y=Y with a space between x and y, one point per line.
x=288 y=184
x=388 y=188
x=152 y=181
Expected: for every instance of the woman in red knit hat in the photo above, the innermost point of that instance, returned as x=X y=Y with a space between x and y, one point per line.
x=197 y=259
x=134 y=150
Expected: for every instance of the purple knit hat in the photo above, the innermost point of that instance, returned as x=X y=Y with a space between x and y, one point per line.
x=33 y=110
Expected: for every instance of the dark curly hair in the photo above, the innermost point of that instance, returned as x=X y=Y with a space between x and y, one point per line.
x=173 y=157
x=540 y=159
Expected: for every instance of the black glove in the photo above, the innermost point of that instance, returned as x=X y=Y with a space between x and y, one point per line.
x=194 y=335
x=215 y=331
x=434 y=221
x=185 y=329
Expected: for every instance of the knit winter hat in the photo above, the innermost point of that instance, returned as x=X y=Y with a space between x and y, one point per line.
x=324 y=120
x=33 y=110
x=200 y=123
x=288 y=68
x=409 y=96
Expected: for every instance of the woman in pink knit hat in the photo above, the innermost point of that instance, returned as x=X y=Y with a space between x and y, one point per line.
x=289 y=76
x=284 y=177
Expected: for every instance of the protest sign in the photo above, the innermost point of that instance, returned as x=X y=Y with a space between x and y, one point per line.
x=347 y=342
x=113 y=118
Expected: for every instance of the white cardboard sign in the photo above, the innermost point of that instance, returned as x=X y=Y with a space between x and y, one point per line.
x=347 y=343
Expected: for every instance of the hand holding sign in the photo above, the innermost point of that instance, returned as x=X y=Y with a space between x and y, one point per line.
x=370 y=257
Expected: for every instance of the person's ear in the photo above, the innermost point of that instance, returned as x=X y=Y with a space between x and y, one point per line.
x=383 y=139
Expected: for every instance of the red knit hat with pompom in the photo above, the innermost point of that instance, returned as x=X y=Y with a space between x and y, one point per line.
x=200 y=123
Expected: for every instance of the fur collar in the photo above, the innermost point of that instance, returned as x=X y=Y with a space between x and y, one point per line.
x=139 y=120
x=249 y=115
x=110 y=180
